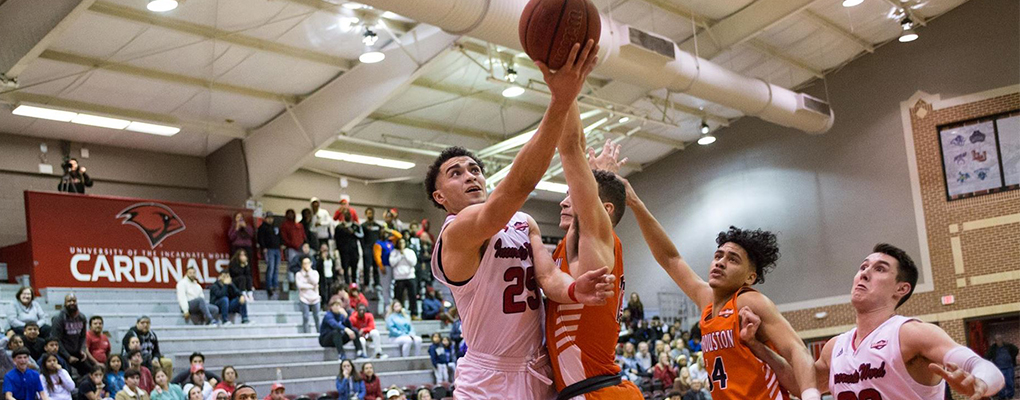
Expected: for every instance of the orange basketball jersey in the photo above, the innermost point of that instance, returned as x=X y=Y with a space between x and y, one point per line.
x=582 y=339
x=734 y=373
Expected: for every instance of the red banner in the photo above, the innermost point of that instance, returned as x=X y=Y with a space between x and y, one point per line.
x=99 y=241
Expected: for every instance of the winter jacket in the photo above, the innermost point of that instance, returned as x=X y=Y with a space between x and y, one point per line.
x=348 y=387
x=74 y=182
x=308 y=286
x=70 y=330
x=241 y=238
x=19 y=315
x=403 y=263
x=331 y=323
x=399 y=325
x=321 y=224
x=269 y=236
x=373 y=389
x=430 y=308
x=149 y=341
x=439 y=354
x=293 y=234
x=363 y=325
x=240 y=273
x=347 y=235
x=218 y=291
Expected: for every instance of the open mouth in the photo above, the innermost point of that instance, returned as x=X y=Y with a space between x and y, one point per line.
x=861 y=287
x=474 y=189
x=715 y=273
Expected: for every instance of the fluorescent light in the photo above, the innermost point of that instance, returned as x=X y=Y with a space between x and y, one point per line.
x=372 y=57
x=624 y=120
x=908 y=36
x=852 y=3
x=595 y=125
x=161 y=5
x=350 y=5
x=704 y=127
x=513 y=91
x=551 y=187
x=153 y=129
x=706 y=140
x=44 y=113
x=361 y=159
x=102 y=122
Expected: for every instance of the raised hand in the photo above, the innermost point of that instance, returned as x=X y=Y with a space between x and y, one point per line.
x=749 y=323
x=594 y=287
x=632 y=197
x=961 y=381
x=566 y=83
x=607 y=161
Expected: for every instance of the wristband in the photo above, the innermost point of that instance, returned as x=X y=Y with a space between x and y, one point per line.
x=570 y=292
x=811 y=394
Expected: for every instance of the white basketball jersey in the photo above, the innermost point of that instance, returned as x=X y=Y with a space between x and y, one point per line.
x=500 y=306
x=875 y=369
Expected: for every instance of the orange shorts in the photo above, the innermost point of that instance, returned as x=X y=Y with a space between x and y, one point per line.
x=624 y=391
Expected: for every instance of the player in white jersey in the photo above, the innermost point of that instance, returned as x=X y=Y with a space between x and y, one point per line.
x=492 y=257
x=887 y=356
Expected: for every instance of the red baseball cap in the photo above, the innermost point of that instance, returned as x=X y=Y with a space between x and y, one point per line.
x=197 y=367
x=275 y=386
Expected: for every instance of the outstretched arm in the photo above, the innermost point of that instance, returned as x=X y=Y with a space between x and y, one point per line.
x=475 y=224
x=592 y=287
x=665 y=252
x=596 y=236
x=749 y=323
x=966 y=372
x=776 y=330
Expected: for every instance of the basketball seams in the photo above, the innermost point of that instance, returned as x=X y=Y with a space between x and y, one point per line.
x=556 y=31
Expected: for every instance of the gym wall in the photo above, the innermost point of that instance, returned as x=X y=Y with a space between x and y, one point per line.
x=829 y=197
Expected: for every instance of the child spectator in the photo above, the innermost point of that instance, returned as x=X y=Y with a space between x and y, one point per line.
x=57 y=383
x=131 y=390
x=114 y=374
x=52 y=347
x=10 y=345
x=165 y=390
x=145 y=375
x=22 y=383
x=240 y=272
x=373 y=388
x=349 y=383
x=91 y=387
x=151 y=355
x=229 y=380
x=441 y=358
x=32 y=340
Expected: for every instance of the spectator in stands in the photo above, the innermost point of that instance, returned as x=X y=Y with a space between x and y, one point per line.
x=165 y=390
x=637 y=309
x=308 y=292
x=441 y=359
x=91 y=387
x=664 y=371
x=682 y=383
x=643 y=356
x=58 y=383
x=197 y=379
x=7 y=355
x=26 y=310
x=695 y=343
x=191 y=298
x=444 y=315
x=424 y=234
x=229 y=383
x=311 y=237
x=697 y=368
x=293 y=235
x=32 y=340
x=195 y=359
x=241 y=236
x=153 y=357
x=270 y=243
x=228 y=299
x=395 y=222
x=364 y=323
x=97 y=344
x=456 y=334
x=401 y=331
x=423 y=393
x=195 y=393
x=430 y=306
x=696 y=392
x=373 y=388
x=357 y=298
x=347 y=234
x=371 y=230
x=245 y=392
x=679 y=349
x=114 y=374
x=631 y=364
x=1003 y=354
x=52 y=348
x=75 y=180
x=133 y=344
x=135 y=361
x=22 y=383
x=219 y=394
x=336 y=331
x=277 y=392
x=674 y=395
x=381 y=253
x=404 y=261
x=394 y=393
x=657 y=331
x=345 y=205
x=325 y=265
x=349 y=383
x=321 y=224
x=424 y=274
x=240 y=273
x=131 y=390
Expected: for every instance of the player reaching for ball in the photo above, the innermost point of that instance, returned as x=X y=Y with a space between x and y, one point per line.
x=741 y=260
x=492 y=258
x=887 y=356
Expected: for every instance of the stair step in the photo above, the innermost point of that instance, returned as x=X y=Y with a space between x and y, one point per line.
x=325 y=384
x=268 y=372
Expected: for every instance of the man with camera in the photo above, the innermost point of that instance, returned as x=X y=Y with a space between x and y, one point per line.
x=75 y=180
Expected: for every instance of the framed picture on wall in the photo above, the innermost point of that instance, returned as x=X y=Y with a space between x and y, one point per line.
x=981 y=156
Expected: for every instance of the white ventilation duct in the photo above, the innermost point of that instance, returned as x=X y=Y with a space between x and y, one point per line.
x=633 y=56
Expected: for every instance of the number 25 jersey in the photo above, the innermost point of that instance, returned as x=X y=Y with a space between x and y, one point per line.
x=734 y=373
x=500 y=306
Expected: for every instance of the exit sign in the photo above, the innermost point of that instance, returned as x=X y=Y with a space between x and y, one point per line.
x=948 y=299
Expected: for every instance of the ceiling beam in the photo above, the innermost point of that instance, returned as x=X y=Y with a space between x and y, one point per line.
x=521 y=60
x=396 y=25
x=660 y=102
x=745 y=25
x=487 y=96
x=166 y=76
x=789 y=60
x=228 y=130
x=433 y=126
x=145 y=17
x=825 y=22
x=29 y=26
x=681 y=11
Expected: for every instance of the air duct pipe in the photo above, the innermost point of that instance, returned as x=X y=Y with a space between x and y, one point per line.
x=632 y=56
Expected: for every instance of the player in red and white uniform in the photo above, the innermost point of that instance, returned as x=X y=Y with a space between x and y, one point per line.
x=888 y=356
x=492 y=258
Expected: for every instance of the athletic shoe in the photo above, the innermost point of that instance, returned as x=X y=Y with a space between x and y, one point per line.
x=228 y=323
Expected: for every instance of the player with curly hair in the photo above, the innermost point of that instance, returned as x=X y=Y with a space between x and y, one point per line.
x=742 y=259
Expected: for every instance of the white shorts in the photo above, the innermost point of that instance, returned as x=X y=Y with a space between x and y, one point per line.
x=484 y=376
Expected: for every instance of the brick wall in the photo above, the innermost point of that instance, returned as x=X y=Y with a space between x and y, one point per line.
x=987 y=228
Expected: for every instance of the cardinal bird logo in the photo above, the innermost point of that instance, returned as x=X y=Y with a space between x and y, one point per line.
x=155 y=220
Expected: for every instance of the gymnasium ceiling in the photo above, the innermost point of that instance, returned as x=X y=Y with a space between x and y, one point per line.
x=226 y=67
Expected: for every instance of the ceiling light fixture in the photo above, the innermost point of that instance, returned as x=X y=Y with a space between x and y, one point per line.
x=361 y=159
x=161 y=5
x=350 y=5
x=94 y=120
x=624 y=120
x=369 y=37
x=551 y=187
x=908 y=34
x=705 y=128
x=513 y=91
x=372 y=57
x=511 y=74
x=852 y=3
x=706 y=140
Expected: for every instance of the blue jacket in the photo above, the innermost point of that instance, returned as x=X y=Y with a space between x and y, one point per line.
x=430 y=308
x=114 y=382
x=331 y=323
x=399 y=325
x=347 y=387
x=439 y=354
x=455 y=331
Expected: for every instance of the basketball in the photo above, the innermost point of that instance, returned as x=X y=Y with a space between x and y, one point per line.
x=549 y=28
